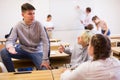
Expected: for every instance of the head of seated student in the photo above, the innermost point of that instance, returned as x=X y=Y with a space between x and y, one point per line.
x=84 y=38
x=99 y=47
x=89 y=27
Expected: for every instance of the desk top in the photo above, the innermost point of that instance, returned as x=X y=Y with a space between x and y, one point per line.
x=35 y=75
x=56 y=73
x=117 y=36
x=2 y=40
x=116 y=50
x=55 y=40
x=115 y=40
x=59 y=43
x=55 y=54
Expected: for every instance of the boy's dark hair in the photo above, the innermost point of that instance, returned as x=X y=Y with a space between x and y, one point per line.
x=26 y=7
x=94 y=18
x=49 y=15
x=101 y=45
x=88 y=9
x=89 y=27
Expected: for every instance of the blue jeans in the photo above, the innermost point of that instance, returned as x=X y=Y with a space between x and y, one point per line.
x=36 y=58
x=108 y=33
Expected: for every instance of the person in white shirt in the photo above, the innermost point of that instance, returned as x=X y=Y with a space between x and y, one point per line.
x=88 y=18
x=101 y=67
x=49 y=26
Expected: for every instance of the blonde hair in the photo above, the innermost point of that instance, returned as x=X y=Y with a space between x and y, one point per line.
x=86 y=36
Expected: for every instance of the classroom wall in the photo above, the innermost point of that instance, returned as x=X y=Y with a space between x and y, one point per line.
x=11 y=12
x=65 y=18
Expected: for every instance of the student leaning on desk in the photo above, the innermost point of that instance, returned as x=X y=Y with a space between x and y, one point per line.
x=101 y=67
x=79 y=53
x=33 y=41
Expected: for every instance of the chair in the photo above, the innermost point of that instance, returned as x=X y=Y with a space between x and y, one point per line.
x=2 y=68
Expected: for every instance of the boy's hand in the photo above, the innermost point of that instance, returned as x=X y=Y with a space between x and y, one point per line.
x=12 y=50
x=61 y=48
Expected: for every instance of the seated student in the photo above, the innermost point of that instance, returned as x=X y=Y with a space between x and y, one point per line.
x=79 y=53
x=101 y=67
x=101 y=25
x=33 y=41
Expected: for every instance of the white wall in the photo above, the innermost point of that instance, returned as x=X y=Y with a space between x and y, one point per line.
x=11 y=12
x=66 y=19
x=64 y=15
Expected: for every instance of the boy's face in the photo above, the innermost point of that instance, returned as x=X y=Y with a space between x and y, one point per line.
x=49 y=19
x=28 y=16
x=80 y=41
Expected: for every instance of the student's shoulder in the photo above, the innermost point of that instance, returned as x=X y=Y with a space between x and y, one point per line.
x=18 y=24
x=85 y=64
x=38 y=22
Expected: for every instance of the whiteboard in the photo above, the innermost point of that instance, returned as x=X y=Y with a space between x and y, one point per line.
x=65 y=16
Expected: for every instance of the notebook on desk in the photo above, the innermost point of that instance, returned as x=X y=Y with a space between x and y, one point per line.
x=53 y=52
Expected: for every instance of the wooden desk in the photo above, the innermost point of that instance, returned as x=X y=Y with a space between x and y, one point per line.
x=55 y=45
x=55 y=40
x=2 y=41
x=115 y=36
x=59 y=59
x=56 y=59
x=56 y=73
x=116 y=52
x=35 y=75
x=56 y=54
x=114 y=42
